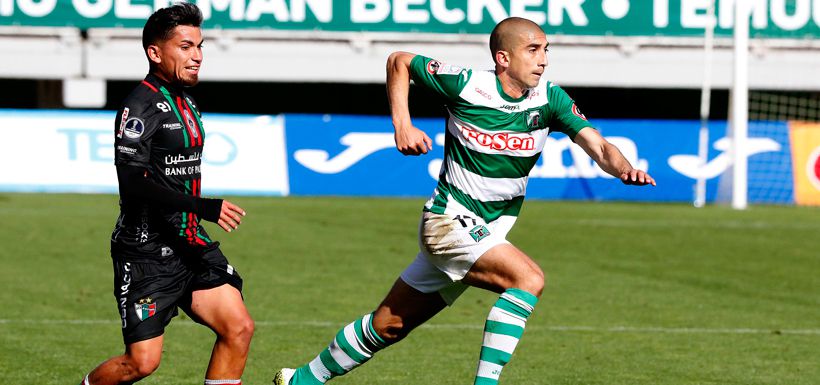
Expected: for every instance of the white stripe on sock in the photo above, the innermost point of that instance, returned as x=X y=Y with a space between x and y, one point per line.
x=489 y=370
x=501 y=315
x=350 y=336
x=341 y=357
x=85 y=380
x=222 y=382
x=500 y=342
x=318 y=369
x=368 y=334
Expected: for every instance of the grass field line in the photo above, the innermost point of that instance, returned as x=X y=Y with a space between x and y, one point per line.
x=556 y=328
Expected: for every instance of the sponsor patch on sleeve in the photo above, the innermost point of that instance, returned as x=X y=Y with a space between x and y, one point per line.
x=577 y=112
x=126 y=150
x=122 y=122
x=134 y=128
x=432 y=67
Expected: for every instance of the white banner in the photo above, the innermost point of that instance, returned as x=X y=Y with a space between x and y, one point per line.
x=72 y=151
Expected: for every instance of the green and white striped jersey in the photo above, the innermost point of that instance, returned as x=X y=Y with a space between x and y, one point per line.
x=492 y=140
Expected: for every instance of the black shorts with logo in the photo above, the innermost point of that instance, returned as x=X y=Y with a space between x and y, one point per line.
x=149 y=292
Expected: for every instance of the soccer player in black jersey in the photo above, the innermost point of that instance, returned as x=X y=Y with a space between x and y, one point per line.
x=163 y=258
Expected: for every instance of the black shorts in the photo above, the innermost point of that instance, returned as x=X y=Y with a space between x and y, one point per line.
x=149 y=293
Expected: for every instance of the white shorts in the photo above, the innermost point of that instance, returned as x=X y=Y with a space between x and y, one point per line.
x=449 y=245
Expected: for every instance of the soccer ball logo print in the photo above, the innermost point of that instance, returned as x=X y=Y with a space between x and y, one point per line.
x=813 y=168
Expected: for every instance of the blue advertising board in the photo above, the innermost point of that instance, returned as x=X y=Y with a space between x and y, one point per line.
x=356 y=155
x=73 y=151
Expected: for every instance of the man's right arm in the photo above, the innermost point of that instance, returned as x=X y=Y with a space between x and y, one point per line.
x=409 y=139
x=135 y=184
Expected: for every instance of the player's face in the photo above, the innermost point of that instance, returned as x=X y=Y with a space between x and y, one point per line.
x=529 y=59
x=180 y=57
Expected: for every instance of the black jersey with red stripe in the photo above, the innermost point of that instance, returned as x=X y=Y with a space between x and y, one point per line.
x=158 y=128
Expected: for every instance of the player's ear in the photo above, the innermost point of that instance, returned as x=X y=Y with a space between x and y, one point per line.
x=502 y=58
x=153 y=54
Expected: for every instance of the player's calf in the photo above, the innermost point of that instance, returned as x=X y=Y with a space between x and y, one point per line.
x=354 y=345
x=502 y=331
x=126 y=368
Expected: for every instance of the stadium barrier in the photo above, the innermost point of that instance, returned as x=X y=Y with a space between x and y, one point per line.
x=295 y=154
x=73 y=151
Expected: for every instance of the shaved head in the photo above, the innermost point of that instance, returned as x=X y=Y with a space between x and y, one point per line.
x=510 y=31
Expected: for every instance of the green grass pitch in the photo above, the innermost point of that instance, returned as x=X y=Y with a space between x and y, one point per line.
x=636 y=293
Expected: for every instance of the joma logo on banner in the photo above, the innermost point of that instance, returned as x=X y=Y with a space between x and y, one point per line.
x=770 y=18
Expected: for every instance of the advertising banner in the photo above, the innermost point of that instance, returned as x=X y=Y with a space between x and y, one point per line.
x=805 y=139
x=293 y=154
x=59 y=151
x=349 y=155
x=796 y=19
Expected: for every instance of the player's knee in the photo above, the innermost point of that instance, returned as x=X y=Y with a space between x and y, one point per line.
x=240 y=332
x=141 y=366
x=533 y=282
x=144 y=369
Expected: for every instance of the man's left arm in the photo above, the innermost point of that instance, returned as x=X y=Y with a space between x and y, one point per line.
x=610 y=159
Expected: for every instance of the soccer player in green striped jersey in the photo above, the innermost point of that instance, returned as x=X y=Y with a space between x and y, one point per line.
x=497 y=126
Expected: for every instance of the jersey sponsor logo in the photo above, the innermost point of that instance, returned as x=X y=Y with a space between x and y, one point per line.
x=501 y=141
x=145 y=308
x=179 y=166
x=577 y=112
x=509 y=107
x=122 y=122
x=171 y=159
x=448 y=69
x=126 y=150
x=134 y=128
x=182 y=170
x=172 y=126
x=432 y=67
x=534 y=119
x=483 y=93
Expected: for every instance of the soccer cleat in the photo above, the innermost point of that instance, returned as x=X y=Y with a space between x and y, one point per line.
x=283 y=376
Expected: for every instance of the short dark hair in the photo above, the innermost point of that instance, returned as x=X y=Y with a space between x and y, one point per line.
x=504 y=33
x=162 y=23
